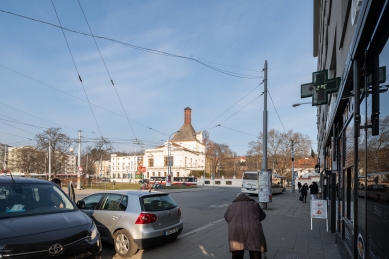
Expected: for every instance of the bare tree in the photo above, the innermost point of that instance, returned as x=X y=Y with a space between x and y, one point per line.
x=28 y=160
x=100 y=151
x=220 y=159
x=279 y=148
x=60 y=144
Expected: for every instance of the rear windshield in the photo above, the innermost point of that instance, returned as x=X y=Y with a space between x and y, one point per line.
x=158 y=203
x=250 y=176
x=18 y=200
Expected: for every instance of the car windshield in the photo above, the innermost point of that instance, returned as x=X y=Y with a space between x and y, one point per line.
x=250 y=176
x=17 y=200
x=157 y=203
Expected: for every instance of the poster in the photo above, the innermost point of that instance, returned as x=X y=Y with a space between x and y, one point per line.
x=318 y=209
x=264 y=187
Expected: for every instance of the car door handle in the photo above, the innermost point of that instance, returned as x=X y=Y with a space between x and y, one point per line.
x=115 y=217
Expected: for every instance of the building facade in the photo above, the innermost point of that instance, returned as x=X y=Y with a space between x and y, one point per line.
x=351 y=43
x=36 y=161
x=185 y=150
x=124 y=167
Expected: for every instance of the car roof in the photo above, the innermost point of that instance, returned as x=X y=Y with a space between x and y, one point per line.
x=133 y=192
x=9 y=179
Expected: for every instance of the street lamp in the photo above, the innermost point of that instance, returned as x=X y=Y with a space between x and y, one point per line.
x=298 y=104
x=169 y=158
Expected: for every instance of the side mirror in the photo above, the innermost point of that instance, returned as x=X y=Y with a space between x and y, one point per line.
x=81 y=204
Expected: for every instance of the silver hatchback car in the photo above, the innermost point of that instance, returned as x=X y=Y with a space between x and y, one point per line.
x=133 y=220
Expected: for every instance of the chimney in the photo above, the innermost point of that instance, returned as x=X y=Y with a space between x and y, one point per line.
x=188 y=115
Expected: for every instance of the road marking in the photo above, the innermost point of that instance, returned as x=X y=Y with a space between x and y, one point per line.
x=200 y=228
x=203 y=227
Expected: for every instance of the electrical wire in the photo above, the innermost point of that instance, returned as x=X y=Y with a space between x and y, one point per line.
x=153 y=51
x=36 y=116
x=233 y=105
x=237 y=130
x=150 y=128
x=276 y=110
x=239 y=110
x=106 y=68
x=13 y=135
x=90 y=106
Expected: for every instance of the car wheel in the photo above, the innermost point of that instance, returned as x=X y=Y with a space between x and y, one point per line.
x=124 y=244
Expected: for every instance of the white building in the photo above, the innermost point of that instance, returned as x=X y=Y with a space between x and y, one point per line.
x=124 y=167
x=187 y=152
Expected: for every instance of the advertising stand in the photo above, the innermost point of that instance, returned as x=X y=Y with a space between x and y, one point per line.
x=318 y=210
x=264 y=187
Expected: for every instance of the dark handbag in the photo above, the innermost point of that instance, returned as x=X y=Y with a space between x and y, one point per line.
x=301 y=198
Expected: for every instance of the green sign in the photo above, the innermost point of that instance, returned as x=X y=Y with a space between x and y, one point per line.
x=320 y=87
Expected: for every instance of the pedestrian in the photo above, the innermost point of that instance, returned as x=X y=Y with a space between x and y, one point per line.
x=314 y=190
x=299 y=186
x=57 y=181
x=304 y=192
x=245 y=231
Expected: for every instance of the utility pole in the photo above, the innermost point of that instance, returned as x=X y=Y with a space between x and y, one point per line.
x=264 y=142
x=293 y=188
x=79 y=161
x=49 y=157
x=263 y=184
x=5 y=156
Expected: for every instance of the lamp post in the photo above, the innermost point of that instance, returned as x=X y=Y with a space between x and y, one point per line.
x=298 y=104
x=168 y=183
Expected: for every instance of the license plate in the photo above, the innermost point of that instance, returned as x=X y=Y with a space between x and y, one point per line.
x=171 y=231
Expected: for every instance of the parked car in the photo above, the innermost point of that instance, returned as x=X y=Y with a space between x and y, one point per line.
x=144 y=181
x=133 y=220
x=38 y=220
x=105 y=179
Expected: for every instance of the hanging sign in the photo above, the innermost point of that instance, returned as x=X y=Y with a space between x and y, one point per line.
x=320 y=87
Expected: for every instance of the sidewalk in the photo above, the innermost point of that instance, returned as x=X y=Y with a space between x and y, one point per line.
x=287 y=231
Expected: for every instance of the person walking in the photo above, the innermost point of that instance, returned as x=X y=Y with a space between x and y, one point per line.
x=245 y=231
x=314 y=190
x=304 y=192
x=299 y=186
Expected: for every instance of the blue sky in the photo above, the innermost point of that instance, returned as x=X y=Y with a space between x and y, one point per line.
x=237 y=36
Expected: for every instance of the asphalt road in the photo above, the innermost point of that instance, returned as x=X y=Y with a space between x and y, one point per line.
x=198 y=208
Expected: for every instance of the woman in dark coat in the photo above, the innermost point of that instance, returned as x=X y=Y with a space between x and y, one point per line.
x=304 y=192
x=245 y=231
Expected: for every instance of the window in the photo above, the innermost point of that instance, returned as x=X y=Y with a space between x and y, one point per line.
x=158 y=203
x=92 y=201
x=114 y=202
x=166 y=161
x=151 y=162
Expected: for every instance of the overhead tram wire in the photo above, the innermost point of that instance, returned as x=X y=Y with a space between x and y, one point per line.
x=79 y=77
x=238 y=110
x=17 y=128
x=233 y=105
x=13 y=135
x=36 y=116
x=276 y=110
x=20 y=122
x=237 y=130
x=106 y=68
x=157 y=52
x=150 y=128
